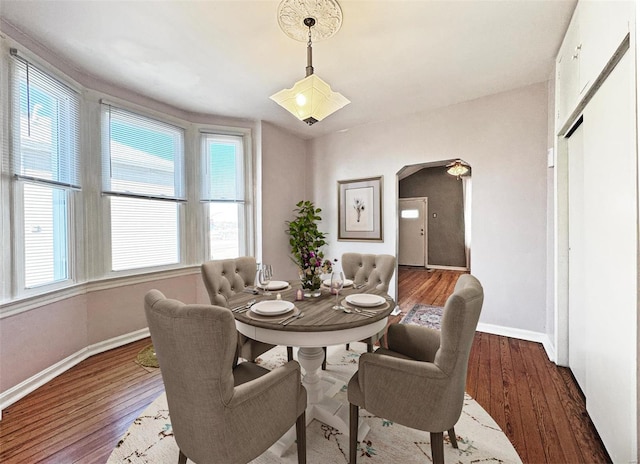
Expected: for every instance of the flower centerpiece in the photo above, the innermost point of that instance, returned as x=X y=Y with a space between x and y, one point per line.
x=306 y=241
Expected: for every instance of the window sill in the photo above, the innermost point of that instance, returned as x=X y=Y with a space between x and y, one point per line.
x=20 y=305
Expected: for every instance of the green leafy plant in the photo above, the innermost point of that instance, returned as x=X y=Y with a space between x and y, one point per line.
x=306 y=239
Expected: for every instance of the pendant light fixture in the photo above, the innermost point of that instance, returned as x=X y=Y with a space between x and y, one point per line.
x=310 y=99
x=458 y=168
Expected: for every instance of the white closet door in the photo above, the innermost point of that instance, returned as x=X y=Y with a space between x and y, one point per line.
x=611 y=260
x=577 y=313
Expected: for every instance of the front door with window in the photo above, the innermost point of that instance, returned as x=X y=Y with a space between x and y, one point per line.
x=413 y=232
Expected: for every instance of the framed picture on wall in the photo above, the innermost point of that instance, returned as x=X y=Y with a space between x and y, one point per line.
x=360 y=209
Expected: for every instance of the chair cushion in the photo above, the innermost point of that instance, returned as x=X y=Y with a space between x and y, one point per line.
x=247 y=371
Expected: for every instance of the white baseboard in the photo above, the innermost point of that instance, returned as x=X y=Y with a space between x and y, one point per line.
x=446 y=268
x=521 y=334
x=7 y=398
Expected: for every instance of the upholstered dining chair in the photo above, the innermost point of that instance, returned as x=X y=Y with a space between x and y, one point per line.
x=224 y=278
x=369 y=271
x=420 y=363
x=221 y=411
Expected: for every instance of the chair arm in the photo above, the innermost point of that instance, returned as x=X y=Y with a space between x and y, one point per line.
x=384 y=382
x=280 y=381
x=262 y=410
x=420 y=343
x=372 y=365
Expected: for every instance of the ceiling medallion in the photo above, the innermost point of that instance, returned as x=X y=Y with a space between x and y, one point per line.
x=326 y=13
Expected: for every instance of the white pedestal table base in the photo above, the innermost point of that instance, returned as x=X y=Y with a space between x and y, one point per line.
x=320 y=404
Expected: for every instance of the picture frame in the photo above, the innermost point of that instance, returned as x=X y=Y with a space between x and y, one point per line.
x=360 y=209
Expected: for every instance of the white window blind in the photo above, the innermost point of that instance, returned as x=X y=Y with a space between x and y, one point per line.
x=143 y=176
x=44 y=163
x=223 y=190
x=45 y=127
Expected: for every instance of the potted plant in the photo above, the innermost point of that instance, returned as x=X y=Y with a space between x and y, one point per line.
x=306 y=241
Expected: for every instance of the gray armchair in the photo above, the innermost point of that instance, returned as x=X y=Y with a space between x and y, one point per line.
x=430 y=364
x=224 y=278
x=220 y=413
x=372 y=271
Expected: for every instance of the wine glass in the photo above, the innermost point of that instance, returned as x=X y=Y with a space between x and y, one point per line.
x=337 y=282
x=264 y=277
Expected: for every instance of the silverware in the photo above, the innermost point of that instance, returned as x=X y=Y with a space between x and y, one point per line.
x=359 y=286
x=297 y=316
x=363 y=312
x=286 y=318
x=244 y=307
x=358 y=313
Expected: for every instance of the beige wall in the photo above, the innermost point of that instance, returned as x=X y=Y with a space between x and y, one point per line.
x=504 y=138
x=34 y=340
x=283 y=179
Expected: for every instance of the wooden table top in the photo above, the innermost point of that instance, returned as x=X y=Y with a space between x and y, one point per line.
x=318 y=314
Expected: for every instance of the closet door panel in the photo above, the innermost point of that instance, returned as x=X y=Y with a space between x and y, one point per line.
x=611 y=259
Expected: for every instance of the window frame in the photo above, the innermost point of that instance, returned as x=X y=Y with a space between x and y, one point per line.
x=182 y=202
x=13 y=188
x=248 y=240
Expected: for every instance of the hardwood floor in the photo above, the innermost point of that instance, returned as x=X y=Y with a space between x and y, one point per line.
x=80 y=415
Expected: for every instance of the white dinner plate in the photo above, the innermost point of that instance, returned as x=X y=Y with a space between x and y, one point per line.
x=272 y=307
x=347 y=283
x=275 y=285
x=365 y=299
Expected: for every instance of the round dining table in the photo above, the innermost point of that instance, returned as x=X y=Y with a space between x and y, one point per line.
x=319 y=326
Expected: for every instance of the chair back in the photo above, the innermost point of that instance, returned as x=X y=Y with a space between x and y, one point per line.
x=458 y=327
x=373 y=270
x=223 y=278
x=195 y=345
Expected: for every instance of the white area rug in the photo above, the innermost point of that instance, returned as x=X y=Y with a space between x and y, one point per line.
x=150 y=438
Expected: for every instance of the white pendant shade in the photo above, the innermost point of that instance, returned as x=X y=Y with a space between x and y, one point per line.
x=310 y=99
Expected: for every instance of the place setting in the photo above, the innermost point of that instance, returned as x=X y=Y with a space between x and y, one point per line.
x=277 y=311
x=364 y=304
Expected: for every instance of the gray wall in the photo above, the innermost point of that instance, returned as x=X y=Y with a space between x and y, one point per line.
x=446 y=230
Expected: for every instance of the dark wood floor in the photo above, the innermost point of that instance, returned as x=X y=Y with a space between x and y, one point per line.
x=80 y=415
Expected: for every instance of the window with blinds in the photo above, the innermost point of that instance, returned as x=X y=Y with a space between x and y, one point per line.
x=44 y=163
x=223 y=191
x=144 y=180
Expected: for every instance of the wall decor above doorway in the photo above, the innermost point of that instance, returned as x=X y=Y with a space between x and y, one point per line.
x=360 y=209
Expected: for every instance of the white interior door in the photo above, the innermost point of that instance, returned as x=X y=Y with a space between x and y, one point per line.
x=577 y=313
x=413 y=232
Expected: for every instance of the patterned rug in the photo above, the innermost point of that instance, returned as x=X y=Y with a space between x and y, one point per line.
x=424 y=315
x=150 y=440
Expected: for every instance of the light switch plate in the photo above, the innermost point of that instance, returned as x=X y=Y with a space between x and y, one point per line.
x=551 y=162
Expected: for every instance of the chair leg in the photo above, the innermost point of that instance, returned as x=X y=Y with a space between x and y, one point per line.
x=369 y=347
x=301 y=438
x=289 y=353
x=324 y=361
x=437 y=448
x=182 y=459
x=353 y=433
x=452 y=438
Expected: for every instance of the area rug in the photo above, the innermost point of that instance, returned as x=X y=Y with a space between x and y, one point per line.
x=424 y=315
x=150 y=439
x=147 y=357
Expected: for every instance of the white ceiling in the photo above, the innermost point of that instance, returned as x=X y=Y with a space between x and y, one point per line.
x=390 y=58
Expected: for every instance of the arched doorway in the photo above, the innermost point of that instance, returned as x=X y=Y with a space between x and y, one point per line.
x=443 y=227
